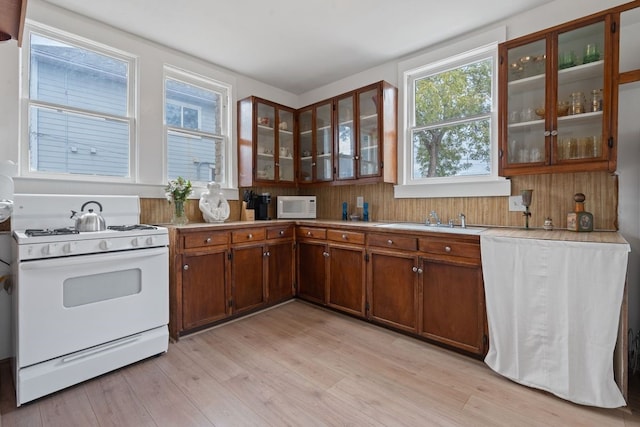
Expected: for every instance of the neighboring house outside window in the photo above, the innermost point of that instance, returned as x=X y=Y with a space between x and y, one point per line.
x=196 y=117
x=449 y=136
x=80 y=118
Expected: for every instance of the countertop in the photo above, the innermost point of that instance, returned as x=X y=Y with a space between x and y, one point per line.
x=515 y=232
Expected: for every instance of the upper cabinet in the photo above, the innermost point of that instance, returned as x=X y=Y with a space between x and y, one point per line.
x=266 y=143
x=361 y=142
x=556 y=109
x=315 y=139
x=12 y=14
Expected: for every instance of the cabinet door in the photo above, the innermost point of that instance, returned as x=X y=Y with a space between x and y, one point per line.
x=368 y=132
x=346 y=138
x=286 y=146
x=392 y=282
x=204 y=291
x=280 y=267
x=306 y=150
x=247 y=277
x=324 y=142
x=312 y=271
x=347 y=279
x=452 y=305
x=266 y=146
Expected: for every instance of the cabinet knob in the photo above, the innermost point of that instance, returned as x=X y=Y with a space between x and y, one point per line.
x=547 y=133
x=267 y=253
x=281 y=232
x=389 y=242
x=447 y=248
x=325 y=254
x=208 y=240
x=185 y=267
x=309 y=233
x=250 y=236
x=419 y=271
x=554 y=132
x=344 y=237
x=414 y=269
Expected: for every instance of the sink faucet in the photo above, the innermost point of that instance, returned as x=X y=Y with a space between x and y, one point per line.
x=435 y=216
x=463 y=220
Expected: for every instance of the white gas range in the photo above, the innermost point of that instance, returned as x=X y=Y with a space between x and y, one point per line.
x=85 y=303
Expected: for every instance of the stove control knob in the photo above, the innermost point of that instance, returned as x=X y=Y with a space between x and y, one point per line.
x=151 y=241
x=105 y=244
x=67 y=248
x=134 y=242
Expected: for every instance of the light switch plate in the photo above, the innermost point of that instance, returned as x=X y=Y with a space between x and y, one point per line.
x=359 y=202
x=515 y=204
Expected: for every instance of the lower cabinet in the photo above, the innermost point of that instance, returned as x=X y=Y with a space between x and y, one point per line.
x=280 y=267
x=393 y=289
x=452 y=305
x=247 y=277
x=205 y=293
x=312 y=271
x=346 y=287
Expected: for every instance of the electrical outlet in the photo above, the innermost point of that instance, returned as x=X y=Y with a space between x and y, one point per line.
x=515 y=204
x=359 y=202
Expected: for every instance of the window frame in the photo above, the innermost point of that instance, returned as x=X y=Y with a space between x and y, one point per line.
x=28 y=102
x=451 y=56
x=225 y=91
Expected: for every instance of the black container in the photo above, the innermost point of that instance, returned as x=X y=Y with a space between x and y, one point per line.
x=261 y=206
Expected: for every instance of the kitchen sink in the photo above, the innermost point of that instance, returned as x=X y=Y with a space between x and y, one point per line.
x=437 y=229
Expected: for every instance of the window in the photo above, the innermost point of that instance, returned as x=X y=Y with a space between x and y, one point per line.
x=79 y=108
x=196 y=120
x=449 y=118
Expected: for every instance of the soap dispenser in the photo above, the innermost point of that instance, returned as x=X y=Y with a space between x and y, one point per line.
x=579 y=220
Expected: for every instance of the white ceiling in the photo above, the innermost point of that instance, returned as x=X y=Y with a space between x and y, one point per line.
x=298 y=45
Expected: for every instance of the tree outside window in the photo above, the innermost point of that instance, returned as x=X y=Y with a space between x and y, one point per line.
x=451 y=132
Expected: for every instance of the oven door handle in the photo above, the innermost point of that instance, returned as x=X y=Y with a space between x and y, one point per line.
x=100 y=349
x=98 y=258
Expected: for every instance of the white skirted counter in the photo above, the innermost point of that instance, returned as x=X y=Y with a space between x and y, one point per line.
x=553 y=301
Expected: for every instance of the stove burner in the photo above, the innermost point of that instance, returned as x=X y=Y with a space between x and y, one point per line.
x=48 y=232
x=131 y=227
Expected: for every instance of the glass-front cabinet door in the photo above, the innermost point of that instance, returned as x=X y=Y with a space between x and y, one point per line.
x=305 y=146
x=346 y=138
x=286 y=146
x=324 y=142
x=266 y=147
x=556 y=113
x=368 y=133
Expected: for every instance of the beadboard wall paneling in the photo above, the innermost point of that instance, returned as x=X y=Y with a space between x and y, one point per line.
x=552 y=197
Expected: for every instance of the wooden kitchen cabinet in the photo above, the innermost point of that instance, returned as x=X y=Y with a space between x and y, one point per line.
x=266 y=143
x=280 y=264
x=12 y=16
x=315 y=140
x=392 y=281
x=248 y=277
x=556 y=103
x=199 y=277
x=312 y=270
x=205 y=294
x=347 y=271
x=452 y=306
x=366 y=134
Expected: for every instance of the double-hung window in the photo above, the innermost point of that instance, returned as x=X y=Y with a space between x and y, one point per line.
x=196 y=116
x=450 y=142
x=80 y=108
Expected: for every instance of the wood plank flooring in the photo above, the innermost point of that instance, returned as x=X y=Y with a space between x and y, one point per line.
x=300 y=365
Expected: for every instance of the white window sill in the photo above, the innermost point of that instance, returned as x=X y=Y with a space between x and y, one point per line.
x=484 y=188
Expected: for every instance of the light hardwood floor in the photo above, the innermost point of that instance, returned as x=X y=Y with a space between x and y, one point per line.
x=300 y=365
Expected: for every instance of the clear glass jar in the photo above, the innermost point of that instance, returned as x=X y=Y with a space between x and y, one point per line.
x=596 y=100
x=577 y=103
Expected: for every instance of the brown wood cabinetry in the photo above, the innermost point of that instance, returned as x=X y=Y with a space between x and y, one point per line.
x=266 y=143
x=280 y=264
x=312 y=270
x=12 y=15
x=557 y=109
x=247 y=277
x=392 y=284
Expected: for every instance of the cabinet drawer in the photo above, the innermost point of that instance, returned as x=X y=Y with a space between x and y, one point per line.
x=345 y=236
x=393 y=241
x=311 y=232
x=280 y=232
x=204 y=239
x=248 y=235
x=447 y=247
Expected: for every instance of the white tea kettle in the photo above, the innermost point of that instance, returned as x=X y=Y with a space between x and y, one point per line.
x=90 y=220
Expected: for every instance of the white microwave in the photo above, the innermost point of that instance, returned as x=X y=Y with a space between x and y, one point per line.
x=296 y=207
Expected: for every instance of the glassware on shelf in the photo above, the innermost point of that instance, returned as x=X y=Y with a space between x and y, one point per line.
x=591 y=53
x=596 y=100
x=567 y=59
x=577 y=103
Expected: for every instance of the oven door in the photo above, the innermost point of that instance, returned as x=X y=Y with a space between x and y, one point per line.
x=70 y=304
